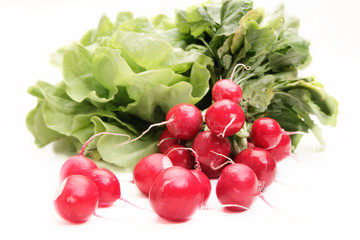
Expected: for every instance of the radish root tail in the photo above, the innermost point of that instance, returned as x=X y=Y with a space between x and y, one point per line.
x=146 y=131
x=222 y=135
x=236 y=66
x=229 y=161
x=197 y=163
x=82 y=151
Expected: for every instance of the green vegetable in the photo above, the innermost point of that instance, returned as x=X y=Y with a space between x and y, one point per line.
x=271 y=47
x=125 y=75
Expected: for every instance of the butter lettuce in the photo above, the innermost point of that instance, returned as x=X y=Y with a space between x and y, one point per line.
x=120 y=77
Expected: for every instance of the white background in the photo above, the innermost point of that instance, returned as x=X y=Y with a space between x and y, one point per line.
x=320 y=201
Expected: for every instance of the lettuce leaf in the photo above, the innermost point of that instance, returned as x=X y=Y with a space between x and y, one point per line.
x=120 y=77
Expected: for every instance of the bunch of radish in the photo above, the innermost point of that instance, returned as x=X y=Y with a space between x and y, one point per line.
x=85 y=187
x=167 y=178
x=192 y=150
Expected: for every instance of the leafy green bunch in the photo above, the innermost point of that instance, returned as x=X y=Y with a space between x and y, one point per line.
x=125 y=75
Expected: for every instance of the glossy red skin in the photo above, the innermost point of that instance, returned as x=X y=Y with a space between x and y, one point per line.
x=250 y=144
x=226 y=89
x=220 y=114
x=148 y=169
x=180 y=156
x=187 y=121
x=283 y=149
x=76 y=165
x=204 y=143
x=265 y=133
x=211 y=173
x=261 y=162
x=176 y=194
x=237 y=185
x=205 y=184
x=77 y=199
x=170 y=140
x=108 y=186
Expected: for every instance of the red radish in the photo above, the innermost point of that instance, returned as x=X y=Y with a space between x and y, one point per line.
x=78 y=164
x=77 y=198
x=266 y=133
x=283 y=149
x=166 y=140
x=211 y=150
x=176 y=194
x=205 y=184
x=210 y=172
x=180 y=156
x=261 y=162
x=226 y=89
x=184 y=121
x=225 y=118
x=108 y=186
x=237 y=187
x=250 y=144
x=148 y=169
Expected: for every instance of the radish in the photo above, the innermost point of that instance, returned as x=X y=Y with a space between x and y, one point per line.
x=180 y=156
x=283 y=149
x=78 y=164
x=205 y=184
x=225 y=118
x=76 y=199
x=261 y=162
x=266 y=133
x=184 y=121
x=176 y=194
x=226 y=89
x=166 y=140
x=107 y=184
x=212 y=173
x=250 y=144
x=210 y=151
x=148 y=169
x=237 y=187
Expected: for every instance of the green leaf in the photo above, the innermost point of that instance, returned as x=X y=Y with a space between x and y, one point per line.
x=121 y=18
x=253 y=15
x=154 y=103
x=149 y=79
x=181 y=21
x=259 y=38
x=104 y=29
x=36 y=125
x=311 y=97
x=200 y=76
x=127 y=155
x=146 y=50
x=257 y=93
x=162 y=22
x=67 y=117
x=79 y=78
x=304 y=98
x=230 y=14
x=139 y=25
x=58 y=109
